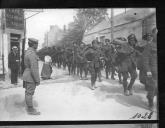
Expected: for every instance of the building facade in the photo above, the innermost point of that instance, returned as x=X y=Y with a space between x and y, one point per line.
x=11 y=34
x=53 y=36
x=137 y=21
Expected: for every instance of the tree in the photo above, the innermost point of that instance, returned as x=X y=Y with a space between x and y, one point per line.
x=92 y=16
x=84 y=19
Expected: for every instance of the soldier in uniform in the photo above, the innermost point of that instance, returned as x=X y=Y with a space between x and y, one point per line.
x=108 y=52
x=31 y=77
x=82 y=62
x=100 y=49
x=74 y=58
x=140 y=65
x=69 y=56
x=64 y=57
x=13 y=64
x=93 y=57
x=125 y=59
x=150 y=66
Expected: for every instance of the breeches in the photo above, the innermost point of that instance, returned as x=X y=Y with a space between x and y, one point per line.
x=94 y=72
x=14 y=75
x=29 y=88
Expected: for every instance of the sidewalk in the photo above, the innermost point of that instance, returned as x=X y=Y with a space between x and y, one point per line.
x=7 y=84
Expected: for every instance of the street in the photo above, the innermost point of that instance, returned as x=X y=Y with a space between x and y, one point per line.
x=67 y=97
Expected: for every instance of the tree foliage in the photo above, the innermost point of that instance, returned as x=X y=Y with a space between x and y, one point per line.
x=92 y=16
x=84 y=19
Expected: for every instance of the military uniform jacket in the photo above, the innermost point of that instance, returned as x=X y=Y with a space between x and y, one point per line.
x=80 y=56
x=93 y=55
x=31 y=73
x=150 y=57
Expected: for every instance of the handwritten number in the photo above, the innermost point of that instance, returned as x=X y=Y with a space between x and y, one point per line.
x=150 y=115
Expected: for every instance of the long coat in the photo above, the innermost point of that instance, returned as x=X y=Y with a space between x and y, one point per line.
x=150 y=58
x=13 y=61
x=31 y=72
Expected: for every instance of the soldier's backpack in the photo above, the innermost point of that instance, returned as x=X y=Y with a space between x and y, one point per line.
x=88 y=53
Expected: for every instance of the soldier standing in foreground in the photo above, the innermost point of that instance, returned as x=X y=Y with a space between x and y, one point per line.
x=150 y=66
x=31 y=77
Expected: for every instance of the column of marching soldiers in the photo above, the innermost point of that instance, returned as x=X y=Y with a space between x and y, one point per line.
x=122 y=57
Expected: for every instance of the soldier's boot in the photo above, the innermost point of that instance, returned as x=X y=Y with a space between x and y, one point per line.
x=119 y=76
x=85 y=78
x=93 y=85
x=69 y=70
x=99 y=76
x=29 y=103
x=32 y=111
x=120 y=81
x=78 y=71
x=112 y=77
x=107 y=77
x=132 y=81
x=130 y=91
x=113 y=74
x=130 y=88
x=81 y=77
x=150 y=103
x=126 y=92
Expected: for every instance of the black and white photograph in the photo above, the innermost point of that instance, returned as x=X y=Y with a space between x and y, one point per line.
x=78 y=64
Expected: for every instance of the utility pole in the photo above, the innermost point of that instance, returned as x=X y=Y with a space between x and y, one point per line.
x=112 y=25
x=3 y=31
x=23 y=45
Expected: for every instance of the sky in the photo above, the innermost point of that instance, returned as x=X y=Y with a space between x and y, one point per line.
x=38 y=25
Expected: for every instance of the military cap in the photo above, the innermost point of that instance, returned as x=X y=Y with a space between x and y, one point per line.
x=33 y=40
x=107 y=40
x=121 y=38
x=94 y=42
x=131 y=36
